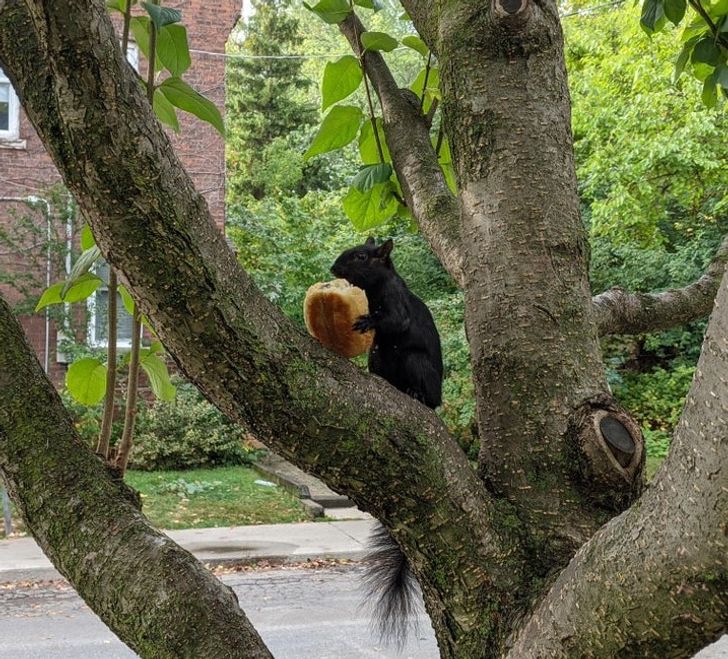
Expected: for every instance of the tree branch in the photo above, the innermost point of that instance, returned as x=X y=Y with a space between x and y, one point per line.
x=435 y=208
x=95 y=536
x=620 y=312
x=390 y=454
x=654 y=581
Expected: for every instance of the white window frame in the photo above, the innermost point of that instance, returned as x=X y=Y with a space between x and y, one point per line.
x=13 y=131
x=91 y=338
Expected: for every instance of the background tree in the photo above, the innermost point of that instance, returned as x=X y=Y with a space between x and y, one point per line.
x=265 y=104
x=558 y=456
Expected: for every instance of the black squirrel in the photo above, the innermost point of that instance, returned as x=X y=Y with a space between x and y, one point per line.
x=406 y=352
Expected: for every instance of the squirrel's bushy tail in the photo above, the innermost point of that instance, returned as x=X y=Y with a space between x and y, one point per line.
x=390 y=586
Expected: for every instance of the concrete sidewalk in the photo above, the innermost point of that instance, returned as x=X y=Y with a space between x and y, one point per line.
x=21 y=558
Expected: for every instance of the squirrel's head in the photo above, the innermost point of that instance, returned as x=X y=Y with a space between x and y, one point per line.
x=365 y=265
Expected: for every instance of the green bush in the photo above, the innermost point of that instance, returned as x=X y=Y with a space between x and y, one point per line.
x=656 y=399
x=186 y=434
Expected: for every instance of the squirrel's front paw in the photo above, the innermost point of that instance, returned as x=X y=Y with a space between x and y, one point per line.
x=363 y=324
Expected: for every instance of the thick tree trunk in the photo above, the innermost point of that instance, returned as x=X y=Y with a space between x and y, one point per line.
x=654 y=581
x=147 y=589
x=536 y=360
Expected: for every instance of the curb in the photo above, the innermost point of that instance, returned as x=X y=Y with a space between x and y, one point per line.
x=315 y=503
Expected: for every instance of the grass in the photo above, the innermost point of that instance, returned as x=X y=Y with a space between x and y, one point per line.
x=226 y=496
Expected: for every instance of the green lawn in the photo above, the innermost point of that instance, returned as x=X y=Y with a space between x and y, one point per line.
x=227 y=496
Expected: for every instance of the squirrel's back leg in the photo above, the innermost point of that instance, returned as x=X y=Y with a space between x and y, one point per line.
x=424 y=382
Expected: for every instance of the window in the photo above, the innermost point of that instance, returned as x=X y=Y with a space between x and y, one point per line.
x=9 y=110
x=98 y=305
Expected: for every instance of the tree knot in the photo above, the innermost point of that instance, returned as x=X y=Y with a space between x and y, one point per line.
x=611 y=451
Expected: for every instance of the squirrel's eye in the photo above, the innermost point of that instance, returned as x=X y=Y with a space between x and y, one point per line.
x=361 y=256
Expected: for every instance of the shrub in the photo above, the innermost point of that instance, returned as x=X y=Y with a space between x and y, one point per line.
x=656 y=399
x=186 y=434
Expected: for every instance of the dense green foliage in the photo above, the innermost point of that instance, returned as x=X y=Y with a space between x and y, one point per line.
x=267 y=114
x=651 y=165
x=187 y=433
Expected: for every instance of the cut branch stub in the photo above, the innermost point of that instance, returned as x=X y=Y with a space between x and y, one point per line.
x=510 y=8
x=611 y=452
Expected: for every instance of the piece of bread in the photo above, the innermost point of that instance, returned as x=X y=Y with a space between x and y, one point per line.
x=330 y=309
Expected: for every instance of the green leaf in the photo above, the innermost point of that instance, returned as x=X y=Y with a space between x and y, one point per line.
x=87 y=238
x=156 y=346
x=85 y=285
x=51 y=295
x=653 y=13
x=368 y=144
x=126 y=299
x=119 y=5
x=330 y=11
x=140 y=26
x=376 y=5
x=370 y=175
x=710 y=92
x=341 y=78
x=449 y=171
x=371 y=208
x=721 y=76
x=338 y=128
x=706 y=51
x=162 y=15
x=82 y=265
x=445 y=156
x=378 y=41
x=158 y=375
x=675 y=10
x=415 y=43
x=181 y=95
x=165 y=110
x=173 y=50
x=86 y=381
x=433 y=82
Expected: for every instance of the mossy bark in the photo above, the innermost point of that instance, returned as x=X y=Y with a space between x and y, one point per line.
x=155 y=595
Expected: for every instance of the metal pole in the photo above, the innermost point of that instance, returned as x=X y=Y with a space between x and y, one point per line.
x=7 y=519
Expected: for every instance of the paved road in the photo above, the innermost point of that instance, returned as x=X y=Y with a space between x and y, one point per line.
x=301 y=614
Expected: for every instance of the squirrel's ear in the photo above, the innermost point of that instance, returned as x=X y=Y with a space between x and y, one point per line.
x=385 y=249
x=370 y=241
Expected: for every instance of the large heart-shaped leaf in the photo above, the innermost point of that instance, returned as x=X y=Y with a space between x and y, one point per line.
x=341 y=78
x=158 y=375
x=370 y=175
x=378 y=41
x=330 y=11
x=173 y=50
x=86 y=381
x=338 y=128
x=371 y=208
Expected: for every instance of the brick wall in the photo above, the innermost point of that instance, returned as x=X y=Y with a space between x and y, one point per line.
x=26 y=169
